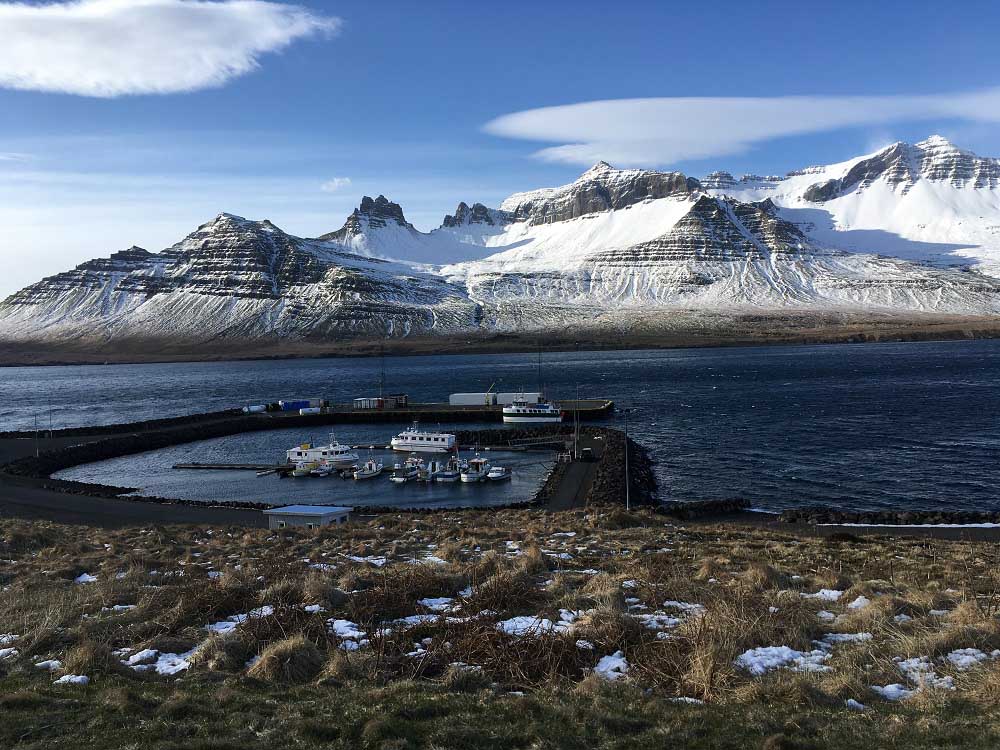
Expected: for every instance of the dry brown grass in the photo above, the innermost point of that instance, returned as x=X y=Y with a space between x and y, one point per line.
x=293 y=660
x=753 y=600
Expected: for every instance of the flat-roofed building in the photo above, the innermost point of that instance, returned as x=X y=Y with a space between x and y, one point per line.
x=306 y=516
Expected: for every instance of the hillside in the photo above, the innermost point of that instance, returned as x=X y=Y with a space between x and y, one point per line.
x=910 y=233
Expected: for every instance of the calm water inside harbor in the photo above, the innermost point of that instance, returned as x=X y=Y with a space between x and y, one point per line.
x=873 y=426
x=153 y=473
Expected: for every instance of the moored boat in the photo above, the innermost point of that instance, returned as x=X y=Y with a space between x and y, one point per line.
x=323 y=469
x=476 y=470
x=336 y=455
x=303 y=468
x=424 y=441
x=370 y=469
x=409 y=469
x=523 y=412
x=452 y=471
x=499 y=473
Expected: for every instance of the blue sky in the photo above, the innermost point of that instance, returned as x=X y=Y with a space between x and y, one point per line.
x=393 y=98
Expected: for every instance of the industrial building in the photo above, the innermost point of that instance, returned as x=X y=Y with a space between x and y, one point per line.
x=306 y=516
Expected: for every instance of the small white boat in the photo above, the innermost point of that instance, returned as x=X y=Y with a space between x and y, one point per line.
x=409 y=469
x=476 y=470
x=523 y=412
x=304 y=468
x=371 y=468
x=499 y=473
x=337 y=455
x=322 y=470
x=415 y=439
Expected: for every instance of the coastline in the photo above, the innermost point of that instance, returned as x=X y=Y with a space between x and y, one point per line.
x=685 y=331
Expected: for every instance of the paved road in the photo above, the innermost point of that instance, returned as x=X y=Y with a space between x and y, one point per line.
x=23 y=497
x=572 y=491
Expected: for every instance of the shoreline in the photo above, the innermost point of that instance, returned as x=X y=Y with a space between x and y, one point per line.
x=757 y=330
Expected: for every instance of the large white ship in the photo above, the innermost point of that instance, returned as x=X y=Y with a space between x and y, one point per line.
x=336 y=455
x=521 y=411
x=415 y=439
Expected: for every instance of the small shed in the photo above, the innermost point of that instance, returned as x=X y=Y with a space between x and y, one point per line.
x=306 y=516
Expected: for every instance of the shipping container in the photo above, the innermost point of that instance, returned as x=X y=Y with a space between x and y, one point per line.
x=369 y=403
x=294 y=405
x=310 y=410
x=506 y=399
x=472 y=399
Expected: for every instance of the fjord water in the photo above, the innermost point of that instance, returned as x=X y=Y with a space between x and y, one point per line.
x=867 y=426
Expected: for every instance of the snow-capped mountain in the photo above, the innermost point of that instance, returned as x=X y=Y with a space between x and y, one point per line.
x=235 y=278
x=930 y=201
x=909 y=229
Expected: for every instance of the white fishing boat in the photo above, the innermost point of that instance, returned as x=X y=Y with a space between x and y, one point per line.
x=406 y=471
x=452 y=471
x=304 y=468
x=499 y=474
x=322 y=470
x=476 y=470
x=521 y=412
x=337 y=455
x=370 y=469
x=424 y=441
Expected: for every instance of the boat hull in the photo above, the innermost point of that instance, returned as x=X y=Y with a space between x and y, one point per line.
x=515 y=418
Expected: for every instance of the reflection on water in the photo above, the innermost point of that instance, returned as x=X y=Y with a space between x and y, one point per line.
x=152 y=473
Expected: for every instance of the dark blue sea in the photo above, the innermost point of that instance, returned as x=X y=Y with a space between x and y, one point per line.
x=865 y=426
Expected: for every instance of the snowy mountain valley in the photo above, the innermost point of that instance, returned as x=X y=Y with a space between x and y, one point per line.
x=911 y=232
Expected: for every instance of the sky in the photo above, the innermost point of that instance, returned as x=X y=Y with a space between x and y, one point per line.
x=131 y=122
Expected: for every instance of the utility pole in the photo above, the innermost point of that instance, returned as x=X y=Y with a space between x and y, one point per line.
x=36 y=436
x=628 y=483
x=576 y=413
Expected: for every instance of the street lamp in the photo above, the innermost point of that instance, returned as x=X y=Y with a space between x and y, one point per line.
x=628 y=483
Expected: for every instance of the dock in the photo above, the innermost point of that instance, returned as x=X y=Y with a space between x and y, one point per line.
x=587 y=409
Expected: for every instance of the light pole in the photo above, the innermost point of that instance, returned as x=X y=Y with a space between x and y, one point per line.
x=628 y=483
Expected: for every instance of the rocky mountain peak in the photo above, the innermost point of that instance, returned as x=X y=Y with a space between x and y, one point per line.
x=476 y=214
x=372 y=213
x=902 y=165
x=600 y=168
x=600 y=188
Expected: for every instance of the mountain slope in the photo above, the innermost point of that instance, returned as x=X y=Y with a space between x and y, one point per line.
x=610 y=248
x=234 y=278
x=929 y=202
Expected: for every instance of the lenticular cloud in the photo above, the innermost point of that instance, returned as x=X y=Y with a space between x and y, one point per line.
x=108 y=48
x=670 y=129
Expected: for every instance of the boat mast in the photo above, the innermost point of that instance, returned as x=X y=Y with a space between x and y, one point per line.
x=381 y=381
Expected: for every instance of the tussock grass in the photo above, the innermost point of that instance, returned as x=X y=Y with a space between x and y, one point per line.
x=293 y=660
x=607 y=569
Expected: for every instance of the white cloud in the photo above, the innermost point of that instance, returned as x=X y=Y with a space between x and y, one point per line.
x=13 y=156
x=666 y=130
x=109 y=48
x=332 y=186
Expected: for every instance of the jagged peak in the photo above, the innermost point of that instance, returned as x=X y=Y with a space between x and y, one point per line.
x=601 y=167
x=477 y=213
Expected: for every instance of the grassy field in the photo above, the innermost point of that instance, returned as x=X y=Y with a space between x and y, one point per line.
x=506 y=629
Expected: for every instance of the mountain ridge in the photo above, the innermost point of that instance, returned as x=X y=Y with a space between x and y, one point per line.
x=612 y=244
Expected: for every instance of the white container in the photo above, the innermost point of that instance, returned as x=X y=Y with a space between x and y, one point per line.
x=472 y=399
x=310 y=410
x=256 y=409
